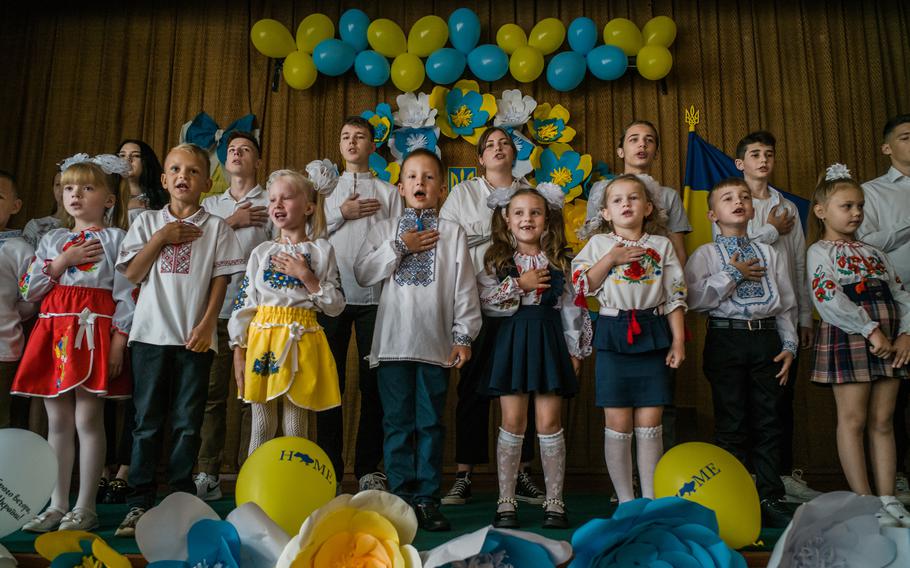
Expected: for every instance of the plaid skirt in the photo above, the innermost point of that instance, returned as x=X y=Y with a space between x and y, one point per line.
x=842 y=357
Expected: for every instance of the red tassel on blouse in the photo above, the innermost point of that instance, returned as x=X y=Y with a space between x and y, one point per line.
x=633 y=329
x=860 y=286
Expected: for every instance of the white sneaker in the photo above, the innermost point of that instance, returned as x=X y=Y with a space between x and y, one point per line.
x=208 y=487
x=896 y=510
x=885 y=519
x=376 y=480
x=797 y=490
x=902 y=489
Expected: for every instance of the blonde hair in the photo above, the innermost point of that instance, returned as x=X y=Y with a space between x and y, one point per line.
x=88 y=173
x=196 y=151
x=651 y=224
x=823 y=191
x=498 y=259
x=316 y=228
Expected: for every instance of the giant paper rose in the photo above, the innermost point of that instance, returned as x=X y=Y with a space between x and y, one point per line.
x=668 y=532
x=563 y=166
x=381 y=119
x=514 y=109
x=386 y=171
x=551 y=124
x=463 y=111
x=498 y=548
x=414 y=111
x=371 y=529
x=78 y=549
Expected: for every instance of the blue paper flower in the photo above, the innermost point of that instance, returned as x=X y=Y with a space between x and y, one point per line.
x=563 y=166
x=463 y=111
x=386 y=171
x=209 y=543
x=661 y=533
x=381 y=119
x=524 y=148
x=406 y=140
x=498 y=548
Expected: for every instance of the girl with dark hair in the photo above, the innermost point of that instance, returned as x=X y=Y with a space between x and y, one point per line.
x=145 y=177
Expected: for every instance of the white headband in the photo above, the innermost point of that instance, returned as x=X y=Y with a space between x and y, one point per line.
x=109 y=163
x=837 y=171
x=551 y=193
x=323 y=174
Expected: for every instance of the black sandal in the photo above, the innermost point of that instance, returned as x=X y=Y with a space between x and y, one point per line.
x=117 y=490
x=555 y=519
x=506 y=519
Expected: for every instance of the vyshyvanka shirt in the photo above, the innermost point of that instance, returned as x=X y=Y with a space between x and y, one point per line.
x=15 y=256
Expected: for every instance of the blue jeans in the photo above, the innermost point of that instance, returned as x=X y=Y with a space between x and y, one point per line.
x=413 y=401
x=166 y=378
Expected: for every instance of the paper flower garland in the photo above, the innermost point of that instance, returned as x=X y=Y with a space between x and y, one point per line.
x=513 y=108
x=463 y=111
x=78 y=549
x=414 y=111
x=386 y=171
x=381 y=119
x=563 y=166
x=550 y=124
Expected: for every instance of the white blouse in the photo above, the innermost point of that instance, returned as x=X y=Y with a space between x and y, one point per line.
x=15 y=256
x=501 y=298
x=654 y=281
x=717 y=287
x=262 y=285
x=833 y=264
x=429 y=299
x=36 y=283
x=35 y=229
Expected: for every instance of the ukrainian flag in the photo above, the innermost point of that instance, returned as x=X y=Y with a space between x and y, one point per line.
x=705 y=166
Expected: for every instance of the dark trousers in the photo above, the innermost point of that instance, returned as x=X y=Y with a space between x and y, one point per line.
x=413 y=401
x=119 y=439
x=330 y=423
x=166 y=379
x=747 y=401
x=214 y=422
x=786 y=419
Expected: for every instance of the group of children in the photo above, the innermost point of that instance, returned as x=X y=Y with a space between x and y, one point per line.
x=271 y=281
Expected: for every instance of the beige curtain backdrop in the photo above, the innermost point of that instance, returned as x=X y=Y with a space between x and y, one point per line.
x=823 y=76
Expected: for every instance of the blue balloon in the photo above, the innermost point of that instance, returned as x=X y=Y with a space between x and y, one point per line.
x=566 y=71
x=371 y=68
x=445 y=65
x=607 y=62
x=353 y=28
x=582 y=35
x=333 y=57
x=464 y=30
x=488 y=62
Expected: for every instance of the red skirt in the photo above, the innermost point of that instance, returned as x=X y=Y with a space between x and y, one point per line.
x=70 y=345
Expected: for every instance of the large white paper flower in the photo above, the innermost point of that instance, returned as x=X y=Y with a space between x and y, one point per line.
x=324 y=175
x=514 y=109
x=414 y=111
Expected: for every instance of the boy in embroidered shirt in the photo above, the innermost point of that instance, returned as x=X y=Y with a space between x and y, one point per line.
x=429 y=313
x=358 y=202
x=15 y=255
x=172 y=253
x=745 y=288
x=243 y=207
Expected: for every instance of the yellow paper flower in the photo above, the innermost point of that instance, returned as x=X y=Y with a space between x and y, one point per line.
x=574 y=216
x=372 y=529
x=560 y=164
x=551 y=124
x=79 y=549
x=462 y=111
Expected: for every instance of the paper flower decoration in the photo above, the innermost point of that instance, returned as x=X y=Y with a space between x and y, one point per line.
x=323 y=174
x=372 y=528
x=381 y=119
x=78 y=549
x=550 y=124
x=414 y=111
x=386 y=171
x=463 y=111
x=524 y=148
x=406 y=140
x=498 y=548
x=664 y=532
x=513 y=109
x=563 y=166
x=574 y=216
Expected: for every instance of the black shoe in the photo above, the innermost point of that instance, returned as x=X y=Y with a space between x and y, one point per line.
x=102 y=490
x=774 y=514
x=460 y=493
x=430 y=519
x=506 y=520
x=117 y=490
x=526 y=491
x=554 y=519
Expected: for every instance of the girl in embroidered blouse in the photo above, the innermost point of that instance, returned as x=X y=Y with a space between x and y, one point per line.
x=539 y=346
x=863 y=344
x=75 y=355
x=279 y=349
x=638 y=281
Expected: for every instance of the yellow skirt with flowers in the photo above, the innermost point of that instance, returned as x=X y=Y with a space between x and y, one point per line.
x=288 y=354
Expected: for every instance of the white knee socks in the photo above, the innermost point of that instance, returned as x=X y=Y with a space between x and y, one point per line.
x=649 y=447
x=618 y=455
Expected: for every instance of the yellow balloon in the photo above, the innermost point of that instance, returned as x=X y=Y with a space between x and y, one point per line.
x=428 y=34
x=312 y=30
x=288 y=478
x=386 y=37
x=510 y=37
x=624 y=34
x=654 y=62
x=526 y=64
x=547 y=35
x=272 y=39
x=408 y=72
x=660 y=30
x=712 y=477
x=299 y=70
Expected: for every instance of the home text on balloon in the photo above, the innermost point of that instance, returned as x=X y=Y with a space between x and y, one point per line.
x=705 y=474
x=324 y=470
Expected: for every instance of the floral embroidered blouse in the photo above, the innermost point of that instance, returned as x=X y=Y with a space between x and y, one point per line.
x=835 y=264
x=501 y=298
x=654 y=281
x=262 y=285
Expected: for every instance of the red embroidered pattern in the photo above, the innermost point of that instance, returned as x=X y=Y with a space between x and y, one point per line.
x=175 y=259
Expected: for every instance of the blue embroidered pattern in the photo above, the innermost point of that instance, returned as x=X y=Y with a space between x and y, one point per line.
x=417 y=269
x=266 y=365
x=748 y=292
x=279 y=280
x=241 y=294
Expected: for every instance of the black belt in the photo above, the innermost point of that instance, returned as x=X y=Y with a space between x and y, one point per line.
x=751 y=325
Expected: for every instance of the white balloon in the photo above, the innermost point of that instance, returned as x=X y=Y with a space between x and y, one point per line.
x=28 y=473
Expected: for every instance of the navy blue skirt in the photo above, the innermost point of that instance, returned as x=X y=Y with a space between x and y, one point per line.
x=632 y=375
x=530 y=355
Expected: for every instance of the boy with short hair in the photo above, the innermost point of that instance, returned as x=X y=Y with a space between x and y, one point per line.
x=243 y=206
x=429 y=314
x=172 y=253
x=744 y=286
x=15 y=255
x=359 y=201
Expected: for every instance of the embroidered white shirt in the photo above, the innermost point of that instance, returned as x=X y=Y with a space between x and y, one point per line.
x=175 y=292
x=37 y=228
x=834 y=264
x=262 y=285
x=718 y=288
x=347 y=235
x=15 y=256
x=223 y=205
x=655 y=281
x=886 y=224
x=429 y=300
